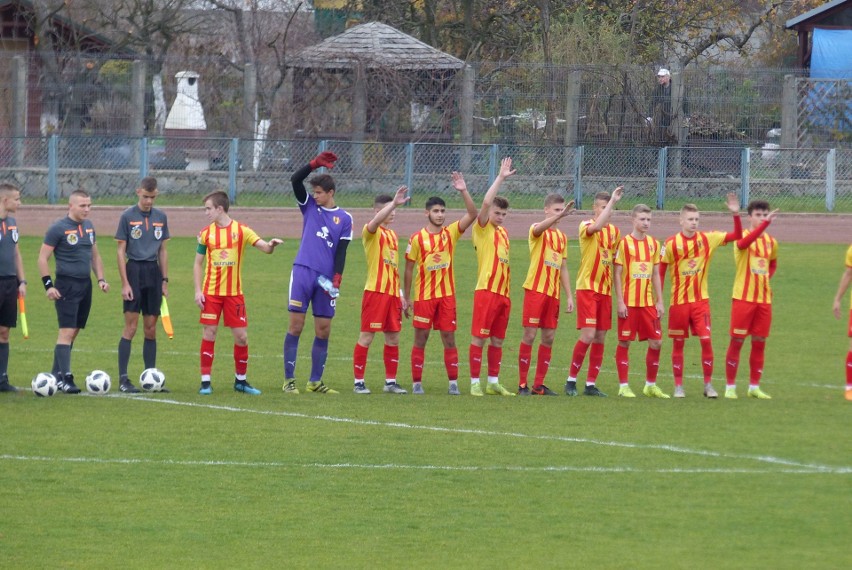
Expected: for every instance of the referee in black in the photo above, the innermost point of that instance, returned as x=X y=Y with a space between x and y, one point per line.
x=12 y=281
x=143 y=263
x=72 y=242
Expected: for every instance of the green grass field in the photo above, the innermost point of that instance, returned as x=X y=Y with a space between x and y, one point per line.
x=228 y=480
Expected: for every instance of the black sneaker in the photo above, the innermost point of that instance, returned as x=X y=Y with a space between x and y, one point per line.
x=126 y=386
x=542 y=391
x=67 y=385
x=523 y=391
x=570 y=388
x=5 y=386
x=593 y=391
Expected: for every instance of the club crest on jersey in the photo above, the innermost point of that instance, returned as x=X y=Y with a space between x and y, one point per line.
x=336 y=220
x=136 y=232
x=158 y=232
x=15 y=235
x=72 y=239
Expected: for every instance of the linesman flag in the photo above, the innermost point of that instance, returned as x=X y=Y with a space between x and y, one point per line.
x=23 y=308
x=166 y=318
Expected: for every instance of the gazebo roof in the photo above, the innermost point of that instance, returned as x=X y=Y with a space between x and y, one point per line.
x=374 y=45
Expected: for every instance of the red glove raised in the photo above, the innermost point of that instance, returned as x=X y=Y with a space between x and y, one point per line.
x=326 y=159
x=336 y=280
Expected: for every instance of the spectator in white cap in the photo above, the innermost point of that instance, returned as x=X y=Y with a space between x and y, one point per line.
x=659 y=117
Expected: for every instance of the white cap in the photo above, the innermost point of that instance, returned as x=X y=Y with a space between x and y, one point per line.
x=663 y=71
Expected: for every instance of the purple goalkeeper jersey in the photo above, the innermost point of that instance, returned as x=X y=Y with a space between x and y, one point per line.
x=322 y=230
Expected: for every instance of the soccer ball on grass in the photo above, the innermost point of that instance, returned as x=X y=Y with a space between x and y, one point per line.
x=152 y=380
x=44 y=384
x=98 y=382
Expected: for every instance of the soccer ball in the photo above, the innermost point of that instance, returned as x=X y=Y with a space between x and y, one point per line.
x=98 y=382
x=152 y=380
x=44 y=384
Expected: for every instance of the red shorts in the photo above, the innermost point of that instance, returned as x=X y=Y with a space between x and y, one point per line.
x=438 y=314
x=641 y=322
x=749 y=318
x=540 y=310
x=594 y=310
x=490 y=314
x=380 y=312
x=688 y=317
x=234 y=307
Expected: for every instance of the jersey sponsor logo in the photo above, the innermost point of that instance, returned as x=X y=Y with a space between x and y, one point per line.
x=324 y=235
x=640 y=270
x=136 y=232
x=689 y=267
x=295 y=303
x=224 y=259
x=376 y=326
x=209 y=316
x=422 y=319
x=759 y=266
x=437 y=261
x=485 y=332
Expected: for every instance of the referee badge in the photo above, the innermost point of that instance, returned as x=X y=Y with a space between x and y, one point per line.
x=72 y=239
x=15 y=235
x=136 y=232
x=158 y=232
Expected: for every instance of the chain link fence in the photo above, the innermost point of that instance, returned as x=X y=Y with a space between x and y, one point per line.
x=257 y=172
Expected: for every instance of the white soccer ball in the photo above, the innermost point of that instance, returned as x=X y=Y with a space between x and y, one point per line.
x=152 y=380
x=44 y=384
x=98 y=382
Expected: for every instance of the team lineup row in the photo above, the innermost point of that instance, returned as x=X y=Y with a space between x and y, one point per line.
x=631 y=269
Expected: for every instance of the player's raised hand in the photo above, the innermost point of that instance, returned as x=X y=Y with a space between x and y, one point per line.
x=732 y=201
x=401 y=196
x=772 y=215
x=617 y=194
x=568 y=210
x=506 y=168
x=458 y=181
x=326 y=159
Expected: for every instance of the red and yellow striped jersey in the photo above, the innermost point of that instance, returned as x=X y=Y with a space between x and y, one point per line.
x=547 y=253
x=849 y=264
x=688 y=260
x=639 y=259
x=751 y=282
x=223 y=247
x=433 y=256
x=596 y=254
x=492 y=257
x=382 y=251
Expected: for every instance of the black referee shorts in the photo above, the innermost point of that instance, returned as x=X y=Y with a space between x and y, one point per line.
x=72 y=309
x=146 y=282
x=8 y=301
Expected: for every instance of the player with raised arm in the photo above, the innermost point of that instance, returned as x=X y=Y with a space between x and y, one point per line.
x=73 y=244
x=756 y=258
x=429 y=267
x=491 y=301
x=598 y=241
x=317 y=270
x=845 y=280
x=13 y=283
x=381 y=305
x=546 y=277
x=141 y=237
x=639 y=294
x=687 y=256
x=222 y=245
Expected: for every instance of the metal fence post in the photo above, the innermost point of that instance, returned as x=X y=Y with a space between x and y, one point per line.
x=233 y=162
x=745 y=173
x=143 y=157
x=830 y=178
x=578 y=177
x=492 y=162
x=52 y=166
x=662 y=161
x=409 y=166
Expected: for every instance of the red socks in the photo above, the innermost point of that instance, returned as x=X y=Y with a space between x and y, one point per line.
x=391 y=358
x=677 y=361
x=622 y=363
x=595 y=361
x=240 y=359
x=577 y=358
x=475 y=360
x=524 y=357
x=417 y=358
x=206 y=351
x=652 y=364
x=451 y=363
x=755 y=361
x=359 y=362
x=495 y=356
x=732 y=362
x=707 y=359
x=543 y=364
x=849 y=370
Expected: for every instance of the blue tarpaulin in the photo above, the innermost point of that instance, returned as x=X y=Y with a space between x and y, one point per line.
x=829 y=103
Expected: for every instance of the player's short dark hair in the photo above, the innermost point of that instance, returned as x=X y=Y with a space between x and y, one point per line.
x=641 y=209
x=603 y=196
x=553 y=198
x=6 y=187
x=500 y=202
x=382 y=199
x=219 y=198
x=435 y=201
x=148 y=184
x=324 y=181
x=757 y=205
x=79 y=192
x=689 y=208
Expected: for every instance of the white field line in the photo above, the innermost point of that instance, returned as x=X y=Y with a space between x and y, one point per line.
x=401 y=467
x=467 y=431
x=305 y=359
